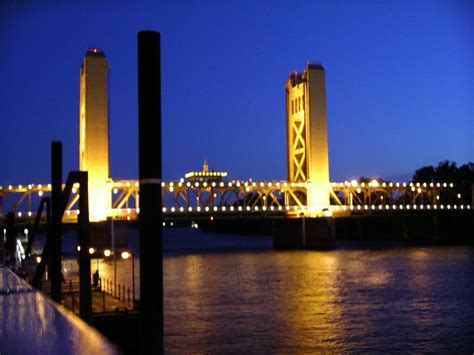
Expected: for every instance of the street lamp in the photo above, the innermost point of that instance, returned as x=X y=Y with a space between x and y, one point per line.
x=125 y=255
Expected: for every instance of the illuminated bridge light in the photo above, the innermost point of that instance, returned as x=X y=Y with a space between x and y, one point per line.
x=231 y=208
x=428 y=206
x=10 y=187
x=468 y=207
x=401 y=207
x=137 y=209
x=129 y=210
x=223 y=208
x=372 y=207
x=417 y=184
x=394 y=207
x=435 y=207
x=280 y=208
x=68 y=212
x=264 y=208
x=213 y=184
x=127 y=184
x=256 y=208
x=163 y=184
x=418 y=190
x=272 y=208
x=181 y=209
x=431 y=184
x=295 y=208
x=173 y=209
x=390 y=184
x=387 y=207
x=408 y=207
x=424 y=184
x=358 y=191
x=455 y=207
x=164 y=209
x=448 y=207
x=29 y=213
x=414 y=207
x=180 y=184
x=40 y=193
x=78 y=212
x=404 y=184
x=215 y=208
x=74 y=190
x=451 y=184
x=363 y=184
x=397 y=184
x=442 y=207
x=115 y=191
x=380 y=207
x=198 y=209
x=240 y=208
x=422 y=207
x=190 y=209
x=358 y=207
x=19 y=214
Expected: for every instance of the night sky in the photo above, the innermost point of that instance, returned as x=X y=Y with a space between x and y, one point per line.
x=399 y=83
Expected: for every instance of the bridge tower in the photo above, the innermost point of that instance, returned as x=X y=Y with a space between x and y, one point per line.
x=307 y=134
x=94 y=131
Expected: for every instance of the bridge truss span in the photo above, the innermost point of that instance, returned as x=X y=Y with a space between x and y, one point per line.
x=247 y=197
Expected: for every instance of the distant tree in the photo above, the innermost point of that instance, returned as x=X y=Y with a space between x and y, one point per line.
x=425 y=174
x=446 y=171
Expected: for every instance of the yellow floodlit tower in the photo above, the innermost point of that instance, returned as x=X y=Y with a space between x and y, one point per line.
x=307 y=134
x=94 y=131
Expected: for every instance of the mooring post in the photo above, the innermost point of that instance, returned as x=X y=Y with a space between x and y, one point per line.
x=150 y=203
x=85 y=306
x=56 y=206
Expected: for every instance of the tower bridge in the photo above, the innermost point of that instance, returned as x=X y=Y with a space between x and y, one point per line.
x=308 y=190
x=184 y=199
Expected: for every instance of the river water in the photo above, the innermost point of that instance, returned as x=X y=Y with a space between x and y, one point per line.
x=234 y=294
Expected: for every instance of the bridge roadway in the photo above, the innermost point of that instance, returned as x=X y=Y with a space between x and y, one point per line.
x=230 y=199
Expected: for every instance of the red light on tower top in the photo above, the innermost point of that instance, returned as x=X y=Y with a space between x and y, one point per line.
x=96 y=52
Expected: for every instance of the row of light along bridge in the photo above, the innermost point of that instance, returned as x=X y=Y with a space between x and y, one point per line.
x=226 y=198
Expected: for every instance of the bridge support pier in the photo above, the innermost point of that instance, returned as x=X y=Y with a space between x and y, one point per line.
x=304 y=233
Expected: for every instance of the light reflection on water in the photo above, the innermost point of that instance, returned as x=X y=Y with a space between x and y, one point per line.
x=350 y=300
x=235 y=294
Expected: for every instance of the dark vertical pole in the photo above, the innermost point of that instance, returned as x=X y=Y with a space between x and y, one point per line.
x=150 y=218
x=56 y=206
x=85 y=310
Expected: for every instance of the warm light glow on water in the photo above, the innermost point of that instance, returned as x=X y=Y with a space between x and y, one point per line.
x=395 y=300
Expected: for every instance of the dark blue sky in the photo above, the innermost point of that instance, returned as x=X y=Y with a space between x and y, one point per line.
x=399 y=83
